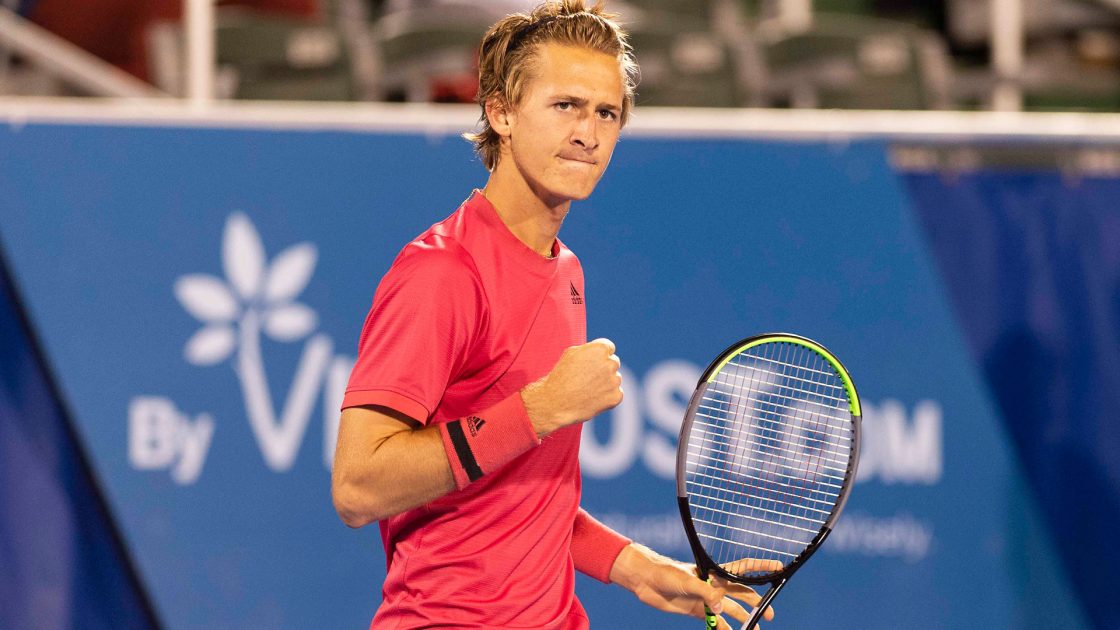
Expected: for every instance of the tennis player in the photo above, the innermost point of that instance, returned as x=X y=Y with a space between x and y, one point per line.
x=460 y=428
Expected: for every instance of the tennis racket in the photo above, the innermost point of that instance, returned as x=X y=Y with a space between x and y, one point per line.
x=766 y=459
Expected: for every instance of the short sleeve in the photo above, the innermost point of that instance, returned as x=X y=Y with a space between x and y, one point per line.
x=426 y=314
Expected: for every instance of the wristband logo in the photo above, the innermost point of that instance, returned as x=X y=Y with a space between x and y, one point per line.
x=474 y=424
x=256 y=297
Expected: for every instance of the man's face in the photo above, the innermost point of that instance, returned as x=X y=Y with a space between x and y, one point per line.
x=563 y=132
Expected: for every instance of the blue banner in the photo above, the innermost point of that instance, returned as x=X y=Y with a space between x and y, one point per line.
x=62 y=561
x=1032 y=261
x=145 y=252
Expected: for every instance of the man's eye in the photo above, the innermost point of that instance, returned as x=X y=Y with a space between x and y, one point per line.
x=607 y=114
x=563 y=106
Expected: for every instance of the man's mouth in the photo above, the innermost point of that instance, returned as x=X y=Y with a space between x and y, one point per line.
x=578 y=158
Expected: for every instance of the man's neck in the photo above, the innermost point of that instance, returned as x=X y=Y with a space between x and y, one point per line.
x=532 y=220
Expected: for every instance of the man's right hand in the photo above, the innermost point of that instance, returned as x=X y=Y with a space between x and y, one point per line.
x=584 y=382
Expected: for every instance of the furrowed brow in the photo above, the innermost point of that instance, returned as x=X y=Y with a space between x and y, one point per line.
x=575 y=100
x=579 y=101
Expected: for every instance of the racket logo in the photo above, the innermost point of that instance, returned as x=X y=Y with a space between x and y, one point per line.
x=801 y=451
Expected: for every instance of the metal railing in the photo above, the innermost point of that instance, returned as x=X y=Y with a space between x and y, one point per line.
x=69 y=62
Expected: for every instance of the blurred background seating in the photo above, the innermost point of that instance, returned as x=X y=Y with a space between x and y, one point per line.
x=262 y=54
x=428 y=50
x=857 y=62
x=867 y=54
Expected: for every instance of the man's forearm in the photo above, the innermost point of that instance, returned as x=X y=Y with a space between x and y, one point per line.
x=380 y=478
x=626 y=566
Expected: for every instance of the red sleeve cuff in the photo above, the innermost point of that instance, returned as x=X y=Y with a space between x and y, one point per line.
x=384 y=398
x=485 y=442
x=595 y=547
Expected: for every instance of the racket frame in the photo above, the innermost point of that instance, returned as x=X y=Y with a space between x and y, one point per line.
x=777 y=579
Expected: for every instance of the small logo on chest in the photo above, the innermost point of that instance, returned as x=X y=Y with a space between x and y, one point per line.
x=576 y=299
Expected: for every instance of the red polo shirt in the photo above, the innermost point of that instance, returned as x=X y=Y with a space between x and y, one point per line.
x=467 y=316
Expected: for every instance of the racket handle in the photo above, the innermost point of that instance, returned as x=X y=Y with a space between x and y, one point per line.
x=709 y=618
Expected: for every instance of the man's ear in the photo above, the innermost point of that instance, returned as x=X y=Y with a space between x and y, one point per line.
x=499 y=115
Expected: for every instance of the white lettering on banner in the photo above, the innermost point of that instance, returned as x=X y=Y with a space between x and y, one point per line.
x=664 y=392
x=162 y=437
x=255 y=297
x=280 y=440
x=663 y=532
x=333 y=393
x=895 y=448
x=896 y=451
x=899 y=536
x=667 y=388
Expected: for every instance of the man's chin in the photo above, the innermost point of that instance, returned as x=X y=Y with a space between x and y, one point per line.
x=580 y=193
x=570 y=193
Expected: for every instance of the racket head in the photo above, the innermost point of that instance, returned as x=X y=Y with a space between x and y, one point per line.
x=766 y=458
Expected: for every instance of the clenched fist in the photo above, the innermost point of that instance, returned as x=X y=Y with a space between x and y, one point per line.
x=584 y=382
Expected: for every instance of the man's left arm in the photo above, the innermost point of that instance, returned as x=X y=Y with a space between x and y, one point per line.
x=657 y=581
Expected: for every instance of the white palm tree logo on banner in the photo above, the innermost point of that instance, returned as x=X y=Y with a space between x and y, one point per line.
x=259 y=296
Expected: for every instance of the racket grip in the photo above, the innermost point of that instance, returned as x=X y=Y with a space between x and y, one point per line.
x=709 y=618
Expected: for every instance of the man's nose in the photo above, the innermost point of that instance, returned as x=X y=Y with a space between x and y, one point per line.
x=585 y=132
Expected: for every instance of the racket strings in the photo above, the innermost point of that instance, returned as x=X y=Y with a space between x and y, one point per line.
x=768 y=454
x=792 y=454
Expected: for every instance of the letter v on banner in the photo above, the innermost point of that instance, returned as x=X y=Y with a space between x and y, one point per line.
x=280 y=441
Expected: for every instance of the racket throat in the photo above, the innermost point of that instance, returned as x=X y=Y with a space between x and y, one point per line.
x=762 y=605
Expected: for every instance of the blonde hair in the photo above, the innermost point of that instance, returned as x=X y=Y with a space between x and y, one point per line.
x=509 y=50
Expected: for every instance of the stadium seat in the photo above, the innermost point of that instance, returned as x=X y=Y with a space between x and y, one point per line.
x=854 y=62
x=262 y=57
x=694 y=53
x=427 y=47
